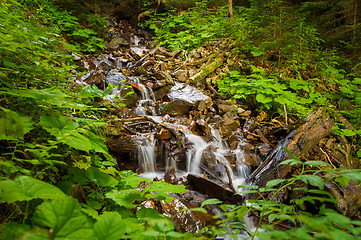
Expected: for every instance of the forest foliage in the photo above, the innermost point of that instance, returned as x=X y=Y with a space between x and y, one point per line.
x=52 y=147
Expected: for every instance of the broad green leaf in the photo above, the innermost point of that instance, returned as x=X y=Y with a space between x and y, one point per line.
x=348 y=132
x=135 y=180
x=261 y=98
x=25 y=188
x=15 y=231
x=161 y=188
x=77 y=141
x=110 y=226
x=97 y=143
x=102 y=179
x=274 y=182
x=242 y=212
x=155 y=219
x=65 y=219
x=57 y=126
x=210 y=201
x=125 y=198
x=343 y=180
x=11 y=125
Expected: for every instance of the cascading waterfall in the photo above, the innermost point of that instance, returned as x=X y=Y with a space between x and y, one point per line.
x=146 y=99
x=146 y=153
x=195 y=154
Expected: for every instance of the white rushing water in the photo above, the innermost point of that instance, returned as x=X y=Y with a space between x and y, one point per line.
x=146 y=153
x=146 y=101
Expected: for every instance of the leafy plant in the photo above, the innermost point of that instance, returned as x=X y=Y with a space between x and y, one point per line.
x=326 y=223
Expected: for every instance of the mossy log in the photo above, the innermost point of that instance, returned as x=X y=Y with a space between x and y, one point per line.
x=206 y=70
x=298 y=142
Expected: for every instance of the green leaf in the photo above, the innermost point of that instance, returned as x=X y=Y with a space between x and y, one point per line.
x=261 y=98
x=241 y=212
x=343 y=180
x=15 y=231
x=110 y=226
x=155 y=219
x=125 y=198
x=274 y=182
x=347 y=132
x=314 y=180
x=57 y=126
x=25 y=188
x=77 y=141
x=65 y=219
x=211 y=201
x=102 y=179
x=160 y=188
x=200 y=209
x=135 y=180
x=11 y=125
x=317 y=163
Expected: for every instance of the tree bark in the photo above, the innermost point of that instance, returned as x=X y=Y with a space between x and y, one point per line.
x=298 y=143
x=230 y=8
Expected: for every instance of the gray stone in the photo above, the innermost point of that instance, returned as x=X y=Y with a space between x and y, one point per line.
x=181 y=75
x=190 y=94
x=115 y=78
x=116 y=43
x=176 y=107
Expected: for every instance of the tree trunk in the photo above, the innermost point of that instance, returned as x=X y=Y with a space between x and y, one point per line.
x=230 y=8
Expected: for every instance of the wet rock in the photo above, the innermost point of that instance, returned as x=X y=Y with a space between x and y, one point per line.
x=203 y=126
x=190 y=94
x=185 y=221
x=226 y=106
x=170 y=177
x=243 y=113
x=129 y=96
x=115 y=78
x=229 y=124
x=117 y=43
x=105 y=65
x=161 y=92
x=251 y=159
x=264 y=149
x=164 y=134
x=176 y=107
x=181 y=75
x=163 y=75
x=212 y=189
x=96 y=78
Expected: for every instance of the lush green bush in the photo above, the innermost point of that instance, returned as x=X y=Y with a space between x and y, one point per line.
x=309 y=183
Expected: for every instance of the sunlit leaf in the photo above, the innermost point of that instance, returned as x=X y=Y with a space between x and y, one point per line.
x=24 y=188
x=126 y=197
x=211 y=201
x=110 y=226
x=65 y=219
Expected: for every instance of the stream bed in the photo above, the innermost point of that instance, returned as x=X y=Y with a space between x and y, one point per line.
x=180 y=131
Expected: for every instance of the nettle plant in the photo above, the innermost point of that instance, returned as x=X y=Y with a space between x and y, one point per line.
x=309 y=183
x=113 y=208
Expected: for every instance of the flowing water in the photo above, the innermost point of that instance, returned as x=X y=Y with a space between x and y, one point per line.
x=202 y=154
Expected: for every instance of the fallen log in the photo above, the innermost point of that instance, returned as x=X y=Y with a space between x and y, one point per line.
x=206 y=70
x=212 y=189
x=298 y=142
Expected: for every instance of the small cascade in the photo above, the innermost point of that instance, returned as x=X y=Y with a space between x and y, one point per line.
x=146 y=101
x=195 y=154
x=146 y=153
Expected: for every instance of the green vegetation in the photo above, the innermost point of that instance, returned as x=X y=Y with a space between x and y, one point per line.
x=52 y=144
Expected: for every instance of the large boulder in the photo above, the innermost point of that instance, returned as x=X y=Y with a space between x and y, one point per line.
x=176 y=107
x=184 y=92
